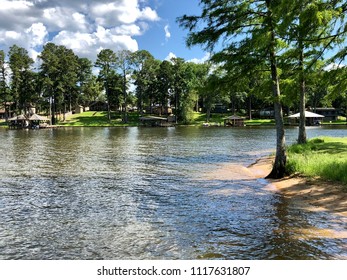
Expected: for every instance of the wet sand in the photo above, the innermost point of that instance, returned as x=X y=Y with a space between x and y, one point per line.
x=304 y=193
x=313 y=194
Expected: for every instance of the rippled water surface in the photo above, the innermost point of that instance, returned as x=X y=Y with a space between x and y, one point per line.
x=142 y=193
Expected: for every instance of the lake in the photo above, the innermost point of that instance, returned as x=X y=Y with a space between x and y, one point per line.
x=143 y=193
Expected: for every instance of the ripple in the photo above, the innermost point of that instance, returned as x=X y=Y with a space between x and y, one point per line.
x=151 y=194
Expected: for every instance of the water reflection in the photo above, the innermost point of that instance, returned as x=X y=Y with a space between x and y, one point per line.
x=139 y=193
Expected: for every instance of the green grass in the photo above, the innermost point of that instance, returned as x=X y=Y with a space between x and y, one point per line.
x=3 y=123
x=100 y=119
x=258 y=122
x=200 y=118
x=92 y=118
x=340 y=121
x=324 y=157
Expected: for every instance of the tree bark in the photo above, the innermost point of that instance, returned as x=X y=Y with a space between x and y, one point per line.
x=279 y=167
x=125 y=118
x=250 y=107
x=208 y=114
x=108 y=103
x=302 y=138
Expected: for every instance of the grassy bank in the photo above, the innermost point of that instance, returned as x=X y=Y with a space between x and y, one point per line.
x=93 y=118
x=100 y=119
x=324 y=157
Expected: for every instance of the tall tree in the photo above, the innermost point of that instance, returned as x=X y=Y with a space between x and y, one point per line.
x=58 y=71
x=106 y=61
x=84 y=77
x=124 y=64
x=198 y=81
x=3 y=84
x=213 y=91
x=20 y=65
x=164 y=86
x=309 y=28
x=91 y=91
x=248 y=30
x=182 y=74
x=116 y=90
x=143 y=75
x=335 y=87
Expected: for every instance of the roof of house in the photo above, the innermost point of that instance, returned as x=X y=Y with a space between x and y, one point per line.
x=152 y=118
x=234 y=117
x=36 y=117
x=18 y=118
x=307 y=115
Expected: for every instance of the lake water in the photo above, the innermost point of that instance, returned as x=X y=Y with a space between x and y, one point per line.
x=142 y=193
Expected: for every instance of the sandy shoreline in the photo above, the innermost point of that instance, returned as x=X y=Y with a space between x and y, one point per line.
x=311 y=194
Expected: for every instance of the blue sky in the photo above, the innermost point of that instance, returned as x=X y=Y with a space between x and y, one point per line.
x=87 y=26
x=158 y=44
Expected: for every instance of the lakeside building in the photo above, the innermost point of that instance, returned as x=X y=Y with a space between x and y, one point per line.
x=330 y=114
x=311 y=118
x=234 y=121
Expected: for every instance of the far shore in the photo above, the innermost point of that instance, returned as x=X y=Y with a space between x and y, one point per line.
x=99 y=119
x=312 y=194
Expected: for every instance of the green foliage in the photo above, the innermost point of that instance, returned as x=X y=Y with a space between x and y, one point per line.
x=3 y=75
x=23 y=82
x=59 y=77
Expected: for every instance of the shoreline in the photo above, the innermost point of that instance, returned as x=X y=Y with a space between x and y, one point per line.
x=312 y=194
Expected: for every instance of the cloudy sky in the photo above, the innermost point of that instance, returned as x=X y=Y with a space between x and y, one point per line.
x=88 y=26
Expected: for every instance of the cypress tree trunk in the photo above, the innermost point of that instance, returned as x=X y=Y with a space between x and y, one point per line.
x=108 y=103
x=279 y=167
x=125 y=119
x=53 y=111
x=302 y=138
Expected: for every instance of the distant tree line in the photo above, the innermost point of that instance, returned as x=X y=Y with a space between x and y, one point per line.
x=62 y=80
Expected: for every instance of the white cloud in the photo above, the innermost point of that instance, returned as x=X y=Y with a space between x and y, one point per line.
x=37 y=32
x=333 y=66
x=148 y=14
x=206 y=57
x=130 y=30
x=86 y=26
x=170 y=56
x=89 y=44
x=12 y=35
x=30 y=39
x=167 y=32
x=15 y=5
x=121 y=12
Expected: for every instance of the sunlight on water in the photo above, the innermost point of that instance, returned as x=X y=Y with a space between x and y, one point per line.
x=138 y=193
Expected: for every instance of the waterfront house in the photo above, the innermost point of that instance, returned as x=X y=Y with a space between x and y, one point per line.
x=311 y=118
x=234 y=121
x=330 y=114
x=154 y=121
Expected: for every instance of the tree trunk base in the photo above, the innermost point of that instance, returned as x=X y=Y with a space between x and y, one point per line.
x=277 y=172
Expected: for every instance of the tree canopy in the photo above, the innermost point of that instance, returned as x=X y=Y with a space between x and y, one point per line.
x=247 y=34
